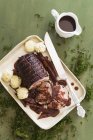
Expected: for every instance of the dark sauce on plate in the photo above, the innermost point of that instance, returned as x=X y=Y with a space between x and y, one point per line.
x=72 y=84
x=76 y=88
x=67 y=23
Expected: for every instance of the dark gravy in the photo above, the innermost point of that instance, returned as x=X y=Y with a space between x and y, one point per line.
x=67 y=24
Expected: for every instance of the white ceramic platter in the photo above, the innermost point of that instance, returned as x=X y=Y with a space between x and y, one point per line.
x=7 y=63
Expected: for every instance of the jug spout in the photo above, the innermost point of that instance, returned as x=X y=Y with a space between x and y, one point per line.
x=54 y=13
x=78 y=29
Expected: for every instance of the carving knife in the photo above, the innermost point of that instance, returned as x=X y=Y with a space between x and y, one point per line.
x=61 y=72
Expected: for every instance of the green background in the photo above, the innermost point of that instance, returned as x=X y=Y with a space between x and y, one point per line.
x=21 y=18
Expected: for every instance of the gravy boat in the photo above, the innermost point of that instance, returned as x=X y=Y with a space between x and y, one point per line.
x=62 y=33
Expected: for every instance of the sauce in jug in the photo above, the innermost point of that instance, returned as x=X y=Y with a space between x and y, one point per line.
x=67 y=24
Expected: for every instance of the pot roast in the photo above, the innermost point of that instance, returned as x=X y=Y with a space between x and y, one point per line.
x=30 y=69
x=46 y=94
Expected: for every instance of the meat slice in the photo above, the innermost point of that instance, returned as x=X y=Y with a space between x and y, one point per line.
x=49 y=113
x=48 y=65
x=44 y=96
x=30 y=69
x=60 y=97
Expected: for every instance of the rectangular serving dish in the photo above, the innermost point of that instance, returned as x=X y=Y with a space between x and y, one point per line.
x=8 y=63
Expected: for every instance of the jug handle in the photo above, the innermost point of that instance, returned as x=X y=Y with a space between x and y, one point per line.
x=54 y=13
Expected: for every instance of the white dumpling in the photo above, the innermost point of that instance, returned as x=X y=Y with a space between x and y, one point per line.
x=30 y=46
x=15 y=81
x=6 y=77
x=22 y=93
x=40 y=47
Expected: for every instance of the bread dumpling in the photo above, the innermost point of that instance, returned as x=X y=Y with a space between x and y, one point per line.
x=6 y=77
x=40 y=47
x=15 y=81
x=30 y=46
x=22 y=93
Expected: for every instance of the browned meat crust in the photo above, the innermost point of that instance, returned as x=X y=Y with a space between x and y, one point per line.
x=30 y=69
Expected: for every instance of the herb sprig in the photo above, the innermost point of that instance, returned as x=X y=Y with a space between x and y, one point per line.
x=89 y=93
x=38 y=16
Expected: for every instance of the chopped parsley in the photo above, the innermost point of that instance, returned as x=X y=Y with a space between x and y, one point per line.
x=22 y=126
x=7 y=48
x=80 y=63
x=89 y=93
x=38 y=16
x=51 y=26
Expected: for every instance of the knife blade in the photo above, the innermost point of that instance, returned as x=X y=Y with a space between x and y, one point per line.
x=54 y=56
x=61 y=72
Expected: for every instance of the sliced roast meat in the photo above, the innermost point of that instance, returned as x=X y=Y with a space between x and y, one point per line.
x=54 y=104
x=44 y=95
x=49 y=113
x=49 y=67
x=60 y=97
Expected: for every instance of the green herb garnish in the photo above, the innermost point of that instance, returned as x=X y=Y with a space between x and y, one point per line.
x=38 y=16
x=65 y=54
x=22 y=126
x=7 y=48
x=51 y=26
x=74 y=130
x=89 y=93
x=91 y=66
x=59 y=44
x=81 y=122
x=2 y=111
x=80 y=63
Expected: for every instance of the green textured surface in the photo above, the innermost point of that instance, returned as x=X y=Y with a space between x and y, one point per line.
x=17 y=21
